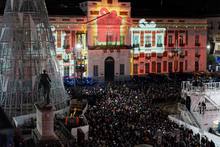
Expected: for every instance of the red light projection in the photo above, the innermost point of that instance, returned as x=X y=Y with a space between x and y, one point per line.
x=108 y=26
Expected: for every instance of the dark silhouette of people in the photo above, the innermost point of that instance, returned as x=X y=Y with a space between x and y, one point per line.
x=200 y=108
x=45 y=83
x=203 y=107
x=188 y=102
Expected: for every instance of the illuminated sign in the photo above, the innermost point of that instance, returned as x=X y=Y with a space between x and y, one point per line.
x=144 y=24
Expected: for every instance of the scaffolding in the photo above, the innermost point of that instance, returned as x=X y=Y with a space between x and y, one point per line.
x=26 y=48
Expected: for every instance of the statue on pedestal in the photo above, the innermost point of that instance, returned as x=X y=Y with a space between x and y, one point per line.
x=45 y=83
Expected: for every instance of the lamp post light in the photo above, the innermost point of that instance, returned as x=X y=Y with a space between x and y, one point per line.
x=80 y=65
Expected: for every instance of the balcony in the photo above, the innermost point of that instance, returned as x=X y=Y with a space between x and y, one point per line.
x=110 y=47
x=66 y=60
x=165 y=54
x=147 y=45
x=182 y=55
x=154 y=54
x=171 y=45
x=148 y=57
x=136 y=45
x=136 y=57
x=160 y=45
x=159 y=55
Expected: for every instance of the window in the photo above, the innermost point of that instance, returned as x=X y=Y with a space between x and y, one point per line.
x=181 y=40
x=164 y=66
x=170 y=67
x=136 y=40
x=109 y=39
x=181 y=66
x=159 y=41
x=95 y=40
x=170 y=40
x=94 y=12
x=123 y=13
x=65 y=19
x=197 y=40
x=95 y=71
x=148 y=41
x=147 y=68
x=196 y=66
x=122 y=40
x=158 y=67
x=186 y=65
x=109 y=1
x=79 y=20
x=153 y=66
x=58 y=39
x=66 y=70
x=175 y=66
x=122 y=69
x=135 y=69
x=186 y=53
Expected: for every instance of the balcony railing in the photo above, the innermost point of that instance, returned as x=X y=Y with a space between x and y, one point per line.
x=170 y=45
x=159 y=45
x=147 y=45
x=97 y=47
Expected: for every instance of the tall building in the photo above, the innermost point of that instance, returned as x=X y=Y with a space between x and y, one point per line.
x=214 y=36
x=26 y=49
x=105 y=40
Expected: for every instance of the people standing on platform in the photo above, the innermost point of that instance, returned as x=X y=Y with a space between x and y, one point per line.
x=200 y=107
x=188 y=103
x=203 y=107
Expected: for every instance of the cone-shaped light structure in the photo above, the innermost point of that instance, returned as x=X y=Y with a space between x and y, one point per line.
x=26 y=48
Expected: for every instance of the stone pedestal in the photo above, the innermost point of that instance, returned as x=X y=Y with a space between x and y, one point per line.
x=44 y=133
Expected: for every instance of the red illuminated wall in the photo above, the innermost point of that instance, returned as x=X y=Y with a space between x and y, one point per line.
x=108 y=25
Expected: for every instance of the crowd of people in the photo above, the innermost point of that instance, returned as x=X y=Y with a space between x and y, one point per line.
x=126 y=114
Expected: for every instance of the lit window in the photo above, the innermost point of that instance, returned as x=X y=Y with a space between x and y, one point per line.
x=136 y=40
x=135 y=69
x=170 y=39
x=95 y=71
x=159 y=41
x=122 y=69
x=181 y=40
x=197 y=40
x=148 y=41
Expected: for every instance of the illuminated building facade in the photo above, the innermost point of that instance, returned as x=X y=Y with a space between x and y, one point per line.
x=168 y=45
x=107 y=43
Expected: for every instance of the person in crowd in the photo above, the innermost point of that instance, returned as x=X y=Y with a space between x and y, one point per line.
x=126 y=114
x=203 y=107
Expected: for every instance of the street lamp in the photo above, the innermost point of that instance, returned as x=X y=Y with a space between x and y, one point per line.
x=79 y=67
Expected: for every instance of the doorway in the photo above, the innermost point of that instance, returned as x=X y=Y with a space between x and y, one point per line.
x=109 y=69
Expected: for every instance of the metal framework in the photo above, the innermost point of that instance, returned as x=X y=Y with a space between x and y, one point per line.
x=26 y=48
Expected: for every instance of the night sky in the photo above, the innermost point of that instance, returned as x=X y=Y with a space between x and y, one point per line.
x=142 y=7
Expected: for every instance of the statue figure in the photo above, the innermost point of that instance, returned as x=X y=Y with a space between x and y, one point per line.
x=45 y=83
